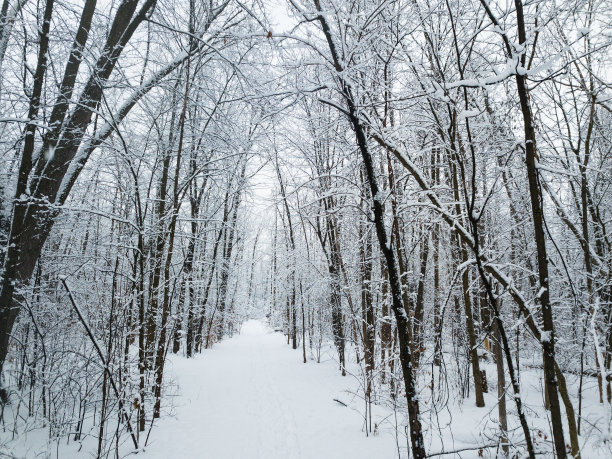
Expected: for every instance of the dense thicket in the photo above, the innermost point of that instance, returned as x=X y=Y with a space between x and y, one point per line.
x=424 y=186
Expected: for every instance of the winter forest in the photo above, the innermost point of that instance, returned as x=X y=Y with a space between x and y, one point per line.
x=235 y=229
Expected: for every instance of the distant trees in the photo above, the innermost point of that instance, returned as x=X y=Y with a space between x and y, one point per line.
x=439 y=178
x=120 y=142
x=474 y=168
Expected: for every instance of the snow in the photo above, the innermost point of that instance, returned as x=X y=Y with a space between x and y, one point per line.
x=50 y=154
x=583 y=31
x=252 y=397
x=541 y=292
x=468 y=114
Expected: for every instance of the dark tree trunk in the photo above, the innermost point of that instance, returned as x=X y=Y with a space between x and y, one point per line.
x=32 y=219
x=418 y=342
x=403 y=325
x=535 y=194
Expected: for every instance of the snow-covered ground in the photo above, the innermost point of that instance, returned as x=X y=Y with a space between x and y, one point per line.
x=252 y=397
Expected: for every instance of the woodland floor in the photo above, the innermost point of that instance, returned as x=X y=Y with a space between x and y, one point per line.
x=252 y=397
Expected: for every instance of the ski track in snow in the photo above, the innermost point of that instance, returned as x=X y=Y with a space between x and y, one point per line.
x=251 y=397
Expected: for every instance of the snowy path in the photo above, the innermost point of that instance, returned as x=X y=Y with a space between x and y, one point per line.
x=251 y=397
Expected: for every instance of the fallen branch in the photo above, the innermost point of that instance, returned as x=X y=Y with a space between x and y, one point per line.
x=586 y=372
x=471 y=448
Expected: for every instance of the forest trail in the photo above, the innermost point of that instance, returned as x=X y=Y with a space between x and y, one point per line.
x=251 y=397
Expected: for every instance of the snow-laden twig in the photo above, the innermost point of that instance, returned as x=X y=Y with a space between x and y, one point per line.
x=126 y=418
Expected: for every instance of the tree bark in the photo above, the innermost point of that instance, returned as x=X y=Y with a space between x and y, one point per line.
x=32 y=217
x=535 y=194
x=403 y=324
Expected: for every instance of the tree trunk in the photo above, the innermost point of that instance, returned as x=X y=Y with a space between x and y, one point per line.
x=535 y=194
x=403 y=324
x=32 y=220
